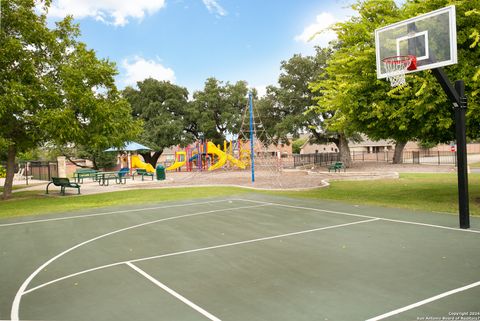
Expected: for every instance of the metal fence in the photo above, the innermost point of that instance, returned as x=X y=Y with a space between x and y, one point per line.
x=409 y=157
x=315 y=159
x=427 y=157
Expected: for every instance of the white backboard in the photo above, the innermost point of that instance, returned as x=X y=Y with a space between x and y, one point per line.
x=431 y=37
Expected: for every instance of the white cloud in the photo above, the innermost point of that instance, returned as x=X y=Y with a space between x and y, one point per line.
x=139 y=69
x=318 y=33
x=116 y=12
x=261 y=90
x=214 y=7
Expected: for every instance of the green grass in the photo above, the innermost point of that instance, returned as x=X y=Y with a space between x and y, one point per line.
x=426 y=192
x=474 y=165
x=36 y=202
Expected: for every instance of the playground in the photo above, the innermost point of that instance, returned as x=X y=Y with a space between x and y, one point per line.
x=245 y=258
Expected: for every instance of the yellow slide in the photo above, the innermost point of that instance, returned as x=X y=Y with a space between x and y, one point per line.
x=179 y=161
x=223 y=157
x=137 y=163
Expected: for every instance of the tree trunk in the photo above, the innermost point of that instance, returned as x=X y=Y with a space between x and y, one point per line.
x=152 y=159
x=397 y=154
x=7 y=187
x=345 y=156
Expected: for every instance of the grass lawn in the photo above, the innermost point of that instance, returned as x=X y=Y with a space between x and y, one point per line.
x=426 y=192
x=36 y=202
x=474 y=165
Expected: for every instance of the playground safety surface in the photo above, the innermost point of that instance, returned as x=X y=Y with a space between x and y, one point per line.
x=255 y=258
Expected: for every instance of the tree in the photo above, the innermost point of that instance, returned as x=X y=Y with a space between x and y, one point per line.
x=362 y=103
x=162 y=107
x=217 y=110
x=290 y=101
x=53 y=89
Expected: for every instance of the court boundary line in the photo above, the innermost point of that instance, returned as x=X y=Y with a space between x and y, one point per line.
x=363 y=216
x=197 y=250
x=23 y=287
x=113 y=212
x=423 y=302
x=173 y=293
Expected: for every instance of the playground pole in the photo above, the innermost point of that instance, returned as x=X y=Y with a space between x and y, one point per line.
x=252 y=154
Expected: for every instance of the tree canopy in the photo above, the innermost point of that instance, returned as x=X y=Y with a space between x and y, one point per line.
x=217 y=110
x=420 y=111
x=53 y=90
x=161 y=106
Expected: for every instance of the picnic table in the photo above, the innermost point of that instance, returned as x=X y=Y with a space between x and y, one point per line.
x=104 y=178
x=82 y=173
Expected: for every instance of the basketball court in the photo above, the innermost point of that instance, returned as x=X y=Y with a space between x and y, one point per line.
x=255 y=258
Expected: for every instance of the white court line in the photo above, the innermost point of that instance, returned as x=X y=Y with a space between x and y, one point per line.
x=173 y=293
x=363 y=216
x=110 y=213
x=197 y=250
x=23 y=287
x=419 y=303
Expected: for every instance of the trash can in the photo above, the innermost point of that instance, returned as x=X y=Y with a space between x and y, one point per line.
x=160 y=173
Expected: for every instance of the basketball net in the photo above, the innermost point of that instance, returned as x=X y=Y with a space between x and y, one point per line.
x=397 y=66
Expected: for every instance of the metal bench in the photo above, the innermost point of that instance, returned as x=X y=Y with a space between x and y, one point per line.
x=338 y=166
x=63 y=183
x=142 y=172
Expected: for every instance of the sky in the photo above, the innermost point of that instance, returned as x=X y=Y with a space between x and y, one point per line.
x=188 y=41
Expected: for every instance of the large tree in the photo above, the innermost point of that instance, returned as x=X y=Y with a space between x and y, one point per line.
x=161 y=106
x=292 y=98
x=420 y=111
x=53 y=89
x=217 y=110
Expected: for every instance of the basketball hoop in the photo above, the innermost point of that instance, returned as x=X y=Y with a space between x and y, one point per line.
x=397 y=66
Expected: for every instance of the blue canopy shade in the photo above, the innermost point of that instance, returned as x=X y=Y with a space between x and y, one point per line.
x=129 y=147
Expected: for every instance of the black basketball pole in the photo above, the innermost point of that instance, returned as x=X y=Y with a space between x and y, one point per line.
x=460 y=129
x=457 y=96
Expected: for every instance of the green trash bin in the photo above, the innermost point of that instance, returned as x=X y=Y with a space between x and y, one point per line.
x=160 y=173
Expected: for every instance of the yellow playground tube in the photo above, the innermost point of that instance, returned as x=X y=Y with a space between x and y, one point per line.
x=179 y=161
x=137 y=163
x=222 y=158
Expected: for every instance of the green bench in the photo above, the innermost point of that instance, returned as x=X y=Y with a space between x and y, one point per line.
x=63 y=183
x=337 y=166
x=82 y=173
x=142 y=172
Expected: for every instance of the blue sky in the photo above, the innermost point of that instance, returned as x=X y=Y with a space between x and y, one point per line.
x=187 y=41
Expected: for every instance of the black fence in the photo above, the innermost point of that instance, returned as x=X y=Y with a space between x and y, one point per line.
x=426 y=157
x=315 y=159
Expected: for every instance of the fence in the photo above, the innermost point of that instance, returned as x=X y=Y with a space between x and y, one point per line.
x=408 y=157
x=42 y=170
x=317 y=159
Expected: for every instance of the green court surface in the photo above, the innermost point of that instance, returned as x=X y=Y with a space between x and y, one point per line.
x=251 y=258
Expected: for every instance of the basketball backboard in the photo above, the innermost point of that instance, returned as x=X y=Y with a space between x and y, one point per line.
x=430 y=37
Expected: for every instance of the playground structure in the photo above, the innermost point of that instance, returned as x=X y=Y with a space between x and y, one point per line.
x=137 y=163
x=205 y=155
x=244 y=151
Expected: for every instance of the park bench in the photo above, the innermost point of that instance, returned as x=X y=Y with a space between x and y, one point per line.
x=142 y=172
x=63 y=183
x=337 y=166
x=82 y=173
